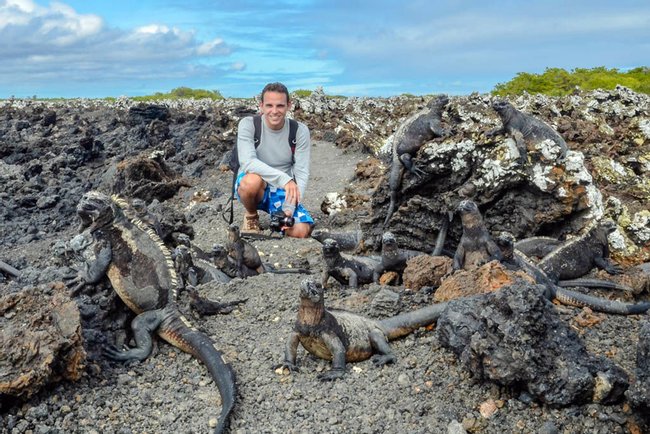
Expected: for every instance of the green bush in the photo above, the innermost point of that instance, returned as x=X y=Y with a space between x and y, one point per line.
x=182 y=93
x=302 y=93
x=559 y=82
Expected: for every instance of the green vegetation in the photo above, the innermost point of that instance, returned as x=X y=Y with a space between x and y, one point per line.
x=559 y=82
x=302 y=93
x=182 y=93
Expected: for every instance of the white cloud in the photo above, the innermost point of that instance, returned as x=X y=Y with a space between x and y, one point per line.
x=58 y=43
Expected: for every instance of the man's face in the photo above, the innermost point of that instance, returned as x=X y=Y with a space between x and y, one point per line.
x=275 y=106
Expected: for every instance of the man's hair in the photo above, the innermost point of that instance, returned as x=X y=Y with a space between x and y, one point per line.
x=275 y=87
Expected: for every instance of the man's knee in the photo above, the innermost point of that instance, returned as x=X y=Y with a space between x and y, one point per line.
x=300 y=230
x=250 y=185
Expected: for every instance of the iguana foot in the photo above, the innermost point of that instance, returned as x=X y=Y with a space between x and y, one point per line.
x=132 y=354
x=416 y=171
x=380 y=360
x=614 y=269
x=332 y=374
x=287 y=365
x=203 y=306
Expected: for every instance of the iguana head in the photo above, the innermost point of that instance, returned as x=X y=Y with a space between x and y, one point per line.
x=439 y=102
x=330 y=248
x=140 y=206
x=388 y=241
x=469 y=213
x=233 y=232
x=506 y=242
x=609 y=226
x=501 y=106
x=183 y=239
x=95 y=210
x=311 y=290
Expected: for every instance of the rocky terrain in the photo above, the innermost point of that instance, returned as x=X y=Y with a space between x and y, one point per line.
x=168 y=155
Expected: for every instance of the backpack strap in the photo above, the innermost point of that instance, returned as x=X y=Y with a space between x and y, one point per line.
x=293 y=130
x=257 y=123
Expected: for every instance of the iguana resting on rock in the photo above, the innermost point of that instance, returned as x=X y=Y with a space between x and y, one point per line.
x=525 y=129
x=578 y=256
x=415 y=131
x=342 y=336
x=347 y=241
x=515 y=260
x=476 y=246
x=141 y=271
x=143 y=213
x=392 y=257
x=346 y=269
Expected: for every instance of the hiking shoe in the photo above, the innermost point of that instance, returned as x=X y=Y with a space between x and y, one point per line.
x=251 y=224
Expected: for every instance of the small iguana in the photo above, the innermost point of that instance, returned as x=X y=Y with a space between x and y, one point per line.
x=415 y=131
x=141 y=271
x=346 y=269
x=196 y=271
x=392 y=257
x=342 y=336
x=537 y=247
x=476 y=246
x=525 y=129
x=516 y=260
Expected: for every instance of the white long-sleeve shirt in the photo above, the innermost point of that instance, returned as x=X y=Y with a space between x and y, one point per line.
x=272 y=158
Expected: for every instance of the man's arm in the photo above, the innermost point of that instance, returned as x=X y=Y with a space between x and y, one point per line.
x=302 y=159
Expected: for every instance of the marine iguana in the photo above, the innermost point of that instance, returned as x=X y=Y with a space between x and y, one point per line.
x=392 y=257
x=342 y=336
x=141 y=271
x=525 y=129
x=414 y=132
x=516 y=260
x=347 y=241
x=346 y=269
x=143 y=213
x=476 y=246
x=243 y=252
x=195 y=271
x=576 y=257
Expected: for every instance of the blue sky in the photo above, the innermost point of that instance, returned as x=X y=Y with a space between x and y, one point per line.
x=92 y=48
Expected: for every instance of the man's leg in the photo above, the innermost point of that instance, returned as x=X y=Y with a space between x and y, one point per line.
x=251 y=192
x=299 y=230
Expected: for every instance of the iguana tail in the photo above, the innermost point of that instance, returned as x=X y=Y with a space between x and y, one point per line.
x=594 y=283
x=180 y=333
x=403 y=324
x=391 y=206
x=574 y=298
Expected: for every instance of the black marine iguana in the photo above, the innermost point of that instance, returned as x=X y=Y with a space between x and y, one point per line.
x=525 y=129
x=194 y=271
x=476 y=246
x=414 y=132
x=342 y=336
x=516 y=260
x=392 y=257
x=576 y=257
x=346 y=269
x=141 y=271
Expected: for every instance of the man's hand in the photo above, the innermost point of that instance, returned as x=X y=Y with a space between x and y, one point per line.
x=292 y=193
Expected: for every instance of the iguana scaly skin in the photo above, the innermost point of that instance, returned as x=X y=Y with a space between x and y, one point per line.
x=342 y=336
x=525 y=129
x=476 y=246
x=537 y=247
x=578 y=256
x=346 y=269
x=141 y=271
x=415 y=131
x=516 y=260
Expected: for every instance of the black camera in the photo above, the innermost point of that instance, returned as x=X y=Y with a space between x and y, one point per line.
x=279 y=220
